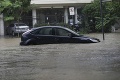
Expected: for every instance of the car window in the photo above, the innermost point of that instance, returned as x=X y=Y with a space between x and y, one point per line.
x=61 y=32
x=43 y=31
x=46 y=31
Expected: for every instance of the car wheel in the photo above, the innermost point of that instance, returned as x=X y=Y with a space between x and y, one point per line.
x=21 y=43
x=30 y=43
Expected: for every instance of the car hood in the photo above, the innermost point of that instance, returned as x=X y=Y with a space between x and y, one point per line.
x=92 y=39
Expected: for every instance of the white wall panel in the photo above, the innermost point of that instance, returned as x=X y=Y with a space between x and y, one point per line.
x=59 y=1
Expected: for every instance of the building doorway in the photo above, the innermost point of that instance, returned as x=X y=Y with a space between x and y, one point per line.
x=50 y=15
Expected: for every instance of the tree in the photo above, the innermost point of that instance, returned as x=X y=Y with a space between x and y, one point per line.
x=15 y=9
x=110 y=13
x=4 y=4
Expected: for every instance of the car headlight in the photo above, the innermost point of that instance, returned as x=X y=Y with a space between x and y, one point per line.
x=94 y=40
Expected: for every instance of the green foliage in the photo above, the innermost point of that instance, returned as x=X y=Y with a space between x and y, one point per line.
x=110 y=13
x=8 y=18
x=92 y=9
x=41 y=24
x=4 y=4
x=57 y=24
x=13 y=9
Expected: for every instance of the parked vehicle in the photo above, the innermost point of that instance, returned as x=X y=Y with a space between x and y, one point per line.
x=53 y=34
x=16 y=28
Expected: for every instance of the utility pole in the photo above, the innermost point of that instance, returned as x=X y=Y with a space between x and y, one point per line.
x=101 y=11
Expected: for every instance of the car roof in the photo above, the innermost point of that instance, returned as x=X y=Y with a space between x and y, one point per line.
x=55 y=27
x=52 y=26
x=49 y=26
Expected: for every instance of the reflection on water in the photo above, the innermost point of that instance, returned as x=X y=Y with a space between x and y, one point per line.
x=100 y=61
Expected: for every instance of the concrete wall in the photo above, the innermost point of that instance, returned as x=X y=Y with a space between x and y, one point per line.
x=59 y=1
x=116 y=26
x=1 y=25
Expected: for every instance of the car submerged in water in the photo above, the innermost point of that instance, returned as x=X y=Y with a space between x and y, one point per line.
x=53 y=34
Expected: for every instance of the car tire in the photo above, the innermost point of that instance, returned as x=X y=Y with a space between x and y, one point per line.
x=31 y=43
x=21 y=43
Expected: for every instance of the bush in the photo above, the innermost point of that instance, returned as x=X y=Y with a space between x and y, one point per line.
x=41 y=24
x=52 y=24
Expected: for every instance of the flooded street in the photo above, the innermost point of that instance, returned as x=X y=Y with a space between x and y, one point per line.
x=96 y=61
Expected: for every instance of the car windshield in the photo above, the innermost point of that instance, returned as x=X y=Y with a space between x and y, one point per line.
x=20 y=24
x=73 y=32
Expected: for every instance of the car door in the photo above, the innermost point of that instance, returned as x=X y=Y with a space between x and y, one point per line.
x=44 y=35
x=62 y=35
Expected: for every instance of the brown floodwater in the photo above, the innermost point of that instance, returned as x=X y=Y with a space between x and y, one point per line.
x=95 y=61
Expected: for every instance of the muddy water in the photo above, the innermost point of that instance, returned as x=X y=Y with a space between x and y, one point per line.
x=100 y=61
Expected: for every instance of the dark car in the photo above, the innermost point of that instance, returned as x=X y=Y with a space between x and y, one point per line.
x=53 y=34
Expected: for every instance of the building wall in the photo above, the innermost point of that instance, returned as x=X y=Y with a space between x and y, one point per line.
x=37 y=4
x=59 y=1
x=56 y=4
x=1 y=26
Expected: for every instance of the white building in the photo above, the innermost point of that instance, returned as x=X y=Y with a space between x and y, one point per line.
x=51 y=11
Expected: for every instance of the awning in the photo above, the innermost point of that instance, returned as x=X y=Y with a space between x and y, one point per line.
x=58 y=3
